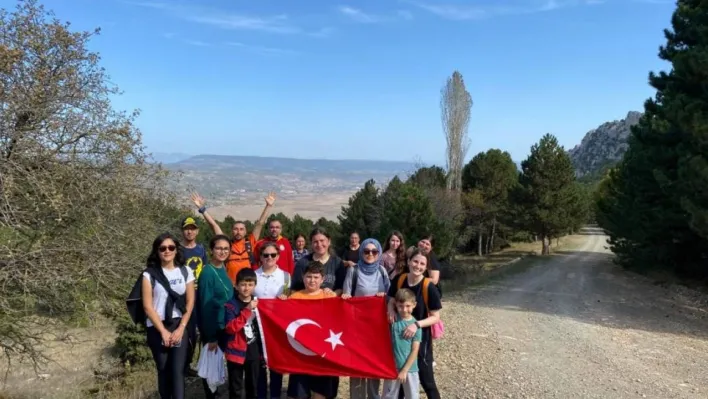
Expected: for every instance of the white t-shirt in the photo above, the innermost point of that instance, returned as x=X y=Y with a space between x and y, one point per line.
x=269 y=286
x=159 y=295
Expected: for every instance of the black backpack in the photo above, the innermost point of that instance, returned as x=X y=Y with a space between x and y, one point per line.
x=355 y=277
x=134 y=303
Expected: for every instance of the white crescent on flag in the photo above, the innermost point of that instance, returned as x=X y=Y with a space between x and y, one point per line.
x=292 y=330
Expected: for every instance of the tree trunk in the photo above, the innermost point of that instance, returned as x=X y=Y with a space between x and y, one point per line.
x=491 y=237
x=479 y=241
x=546 y=250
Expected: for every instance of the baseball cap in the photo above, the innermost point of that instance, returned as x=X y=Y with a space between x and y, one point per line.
x=189 y=221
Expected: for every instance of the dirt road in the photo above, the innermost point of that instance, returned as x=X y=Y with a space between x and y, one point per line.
x=574 y=326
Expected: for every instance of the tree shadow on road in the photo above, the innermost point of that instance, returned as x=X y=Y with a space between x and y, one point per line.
x=588 y=287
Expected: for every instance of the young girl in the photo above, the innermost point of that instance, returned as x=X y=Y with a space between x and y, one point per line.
x=426 y=315
x=394 y=256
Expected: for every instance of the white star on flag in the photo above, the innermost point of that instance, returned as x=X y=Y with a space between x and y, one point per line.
x=334 y=339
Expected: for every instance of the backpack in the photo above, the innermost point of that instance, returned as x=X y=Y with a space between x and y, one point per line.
x=355 y=278
x=134 y=302
x=438 y=329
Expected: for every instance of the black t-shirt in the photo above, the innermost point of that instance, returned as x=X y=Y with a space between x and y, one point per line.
x=335 y=272
x=350 y=254
x=420 y=312
x=253 y=337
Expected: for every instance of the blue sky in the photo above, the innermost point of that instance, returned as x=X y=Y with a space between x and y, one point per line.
x=362 y=78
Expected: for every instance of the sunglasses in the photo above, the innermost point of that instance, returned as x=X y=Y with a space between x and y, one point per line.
x=170 y=248
x=371 y=252
x=269 y=255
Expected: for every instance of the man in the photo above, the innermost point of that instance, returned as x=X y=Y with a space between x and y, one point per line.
x=286 y=262
x=195 y=256
x=242 y=243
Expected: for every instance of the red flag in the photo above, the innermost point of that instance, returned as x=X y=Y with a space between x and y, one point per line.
x=331 y=337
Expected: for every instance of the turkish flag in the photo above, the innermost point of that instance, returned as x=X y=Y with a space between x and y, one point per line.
x=328 y=337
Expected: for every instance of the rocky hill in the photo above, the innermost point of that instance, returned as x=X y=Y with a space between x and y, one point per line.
x=603 y=146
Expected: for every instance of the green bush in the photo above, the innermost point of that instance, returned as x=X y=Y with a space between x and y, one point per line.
x=131 y=346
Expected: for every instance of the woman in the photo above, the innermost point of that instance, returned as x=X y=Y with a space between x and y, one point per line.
x=214 y=291
x=168 y=300
x=394 y=256
x=334 y=274
x=300 y=249
x=334 y=269
x=425 y=246
x=271 y=282
x=426 y=315
x=367 y=278
x=350 y=254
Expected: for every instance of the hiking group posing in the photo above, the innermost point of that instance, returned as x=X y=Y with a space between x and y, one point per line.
x=182 y=292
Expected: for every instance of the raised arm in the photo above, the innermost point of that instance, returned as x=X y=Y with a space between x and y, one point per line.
x=258 y=227
x=200 y=202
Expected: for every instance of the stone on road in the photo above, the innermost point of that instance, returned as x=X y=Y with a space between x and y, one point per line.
x=574 y=326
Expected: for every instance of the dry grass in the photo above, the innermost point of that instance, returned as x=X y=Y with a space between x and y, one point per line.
x=516 y=250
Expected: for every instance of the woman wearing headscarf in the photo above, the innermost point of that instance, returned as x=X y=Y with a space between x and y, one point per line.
x=367 y=278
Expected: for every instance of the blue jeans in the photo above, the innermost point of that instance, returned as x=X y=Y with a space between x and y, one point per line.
x=276 y=384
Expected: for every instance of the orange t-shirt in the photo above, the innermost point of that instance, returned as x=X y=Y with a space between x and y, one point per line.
x=239 y=258
x=302 y=294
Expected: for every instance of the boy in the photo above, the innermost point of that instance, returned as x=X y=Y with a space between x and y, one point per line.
x=405 y=351
x=243 y=349
x=300 y=386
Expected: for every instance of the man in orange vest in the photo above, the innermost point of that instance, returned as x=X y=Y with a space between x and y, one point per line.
x=242 y=243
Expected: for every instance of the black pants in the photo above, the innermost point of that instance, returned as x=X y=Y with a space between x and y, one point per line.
x=169 y=362
x=221 y=342
x=425 y=369
x=243 y=377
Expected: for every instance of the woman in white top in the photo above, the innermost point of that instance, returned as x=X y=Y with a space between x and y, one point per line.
x=168 y=300
x=271 y=282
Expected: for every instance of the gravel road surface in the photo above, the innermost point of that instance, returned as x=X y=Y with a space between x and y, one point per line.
x=574 y=326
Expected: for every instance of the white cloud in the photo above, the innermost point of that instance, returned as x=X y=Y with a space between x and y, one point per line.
x=262 y=49
x=358 y=15
x=458 y=11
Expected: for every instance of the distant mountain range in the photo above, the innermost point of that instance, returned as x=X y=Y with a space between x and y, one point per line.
x=231 y=178
x=602 y=147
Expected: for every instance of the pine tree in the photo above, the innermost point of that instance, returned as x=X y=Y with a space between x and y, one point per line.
x=547 y=191
x=655 y=203
x=493 y=174
x=363 y=213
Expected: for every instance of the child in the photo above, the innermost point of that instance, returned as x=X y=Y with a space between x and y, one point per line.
x=243 y=350
x=405 y=351
x=300 y=386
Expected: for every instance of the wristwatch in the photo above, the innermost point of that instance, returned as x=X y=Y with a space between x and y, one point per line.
x=417 y=324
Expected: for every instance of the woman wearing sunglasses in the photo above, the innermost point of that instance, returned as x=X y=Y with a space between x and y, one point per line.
x=271 y=282
x=168 y=300
x=367 y=278
x=214 y=291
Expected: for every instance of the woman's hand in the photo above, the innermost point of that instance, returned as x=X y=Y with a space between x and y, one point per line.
x=282 y=296
x=391 y=316
x=380 y=294
x=346 y=296
x=211 y=346
x=176 y=336
x=409 y=332
x=348 y=263
x=166 y=338
x=328 y=291
x=253 y=304
x=402 y=377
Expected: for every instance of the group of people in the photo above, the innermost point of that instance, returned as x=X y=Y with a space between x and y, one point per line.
x=189 y=296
